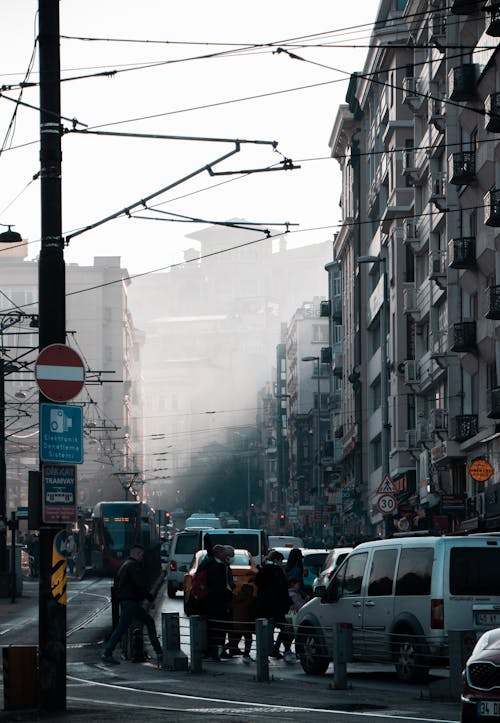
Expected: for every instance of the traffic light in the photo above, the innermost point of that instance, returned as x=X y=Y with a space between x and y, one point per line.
x=167 y=517
x=282 y=519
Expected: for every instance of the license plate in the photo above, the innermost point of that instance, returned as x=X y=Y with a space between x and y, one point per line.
x=488 y=619
x=488 y=708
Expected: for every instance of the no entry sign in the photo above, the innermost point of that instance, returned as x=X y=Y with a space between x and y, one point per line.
x=59 y=372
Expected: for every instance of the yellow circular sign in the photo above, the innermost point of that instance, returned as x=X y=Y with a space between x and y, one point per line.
x=480 y=470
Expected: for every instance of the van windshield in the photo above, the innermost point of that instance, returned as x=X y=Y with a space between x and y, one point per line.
x=474 y=571
x=186 y=544
x=238 y=540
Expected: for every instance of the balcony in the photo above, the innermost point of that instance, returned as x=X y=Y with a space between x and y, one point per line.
x=437 y=189
x=462 y=168
x=437 y=265
x=410 y=91
x=462 y=252
x=492 y=207
x=462 y=82
x=465 y=426
x=492 y=110
x=410 y=300
x=410 y=231
x=411 y=439
x=494 y=403
x=339 y=432
x=438 y=28
x=438 y=420
x=464 y=337
x=494 y=307
x=466 y=7
x=437 y=115
x=493 y=28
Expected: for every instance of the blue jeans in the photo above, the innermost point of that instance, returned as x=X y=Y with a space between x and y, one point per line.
x=129 y=611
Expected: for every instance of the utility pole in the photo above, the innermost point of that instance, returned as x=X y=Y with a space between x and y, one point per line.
x=52 y=330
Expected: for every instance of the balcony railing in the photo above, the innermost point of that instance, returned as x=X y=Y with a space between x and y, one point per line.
x=465 y=426
x=462 y=168
x=494 y=307
x=464 y=336
x=462 y=252
x=492 y=110
x=492 y=207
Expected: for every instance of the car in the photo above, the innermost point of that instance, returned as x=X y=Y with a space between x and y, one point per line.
x=313 y=561
x=401 y=596
x=285 y=541
x=333 y=560
x=242 y=566
x=182 y=549
x=480 y=697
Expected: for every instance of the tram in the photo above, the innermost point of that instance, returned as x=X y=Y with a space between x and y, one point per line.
x=115 y=528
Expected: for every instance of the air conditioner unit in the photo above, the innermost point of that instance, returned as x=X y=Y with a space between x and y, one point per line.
x=438 y=420
x=410 y=300
x=411 y=439
x=422 y=430
x=411 y=371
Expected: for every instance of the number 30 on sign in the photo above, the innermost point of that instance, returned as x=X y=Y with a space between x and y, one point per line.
x=386 y=504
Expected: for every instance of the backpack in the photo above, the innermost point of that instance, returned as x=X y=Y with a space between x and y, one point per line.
x=199 y=586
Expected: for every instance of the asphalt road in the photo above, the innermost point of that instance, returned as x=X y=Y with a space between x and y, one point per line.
x=225 y=691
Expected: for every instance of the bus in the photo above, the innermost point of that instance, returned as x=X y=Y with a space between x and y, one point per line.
x=115 y=528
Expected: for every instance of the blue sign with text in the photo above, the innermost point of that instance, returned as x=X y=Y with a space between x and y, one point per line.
x=61 y=433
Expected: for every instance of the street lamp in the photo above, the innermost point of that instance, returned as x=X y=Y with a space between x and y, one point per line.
x=384 y=367
x=317 y=466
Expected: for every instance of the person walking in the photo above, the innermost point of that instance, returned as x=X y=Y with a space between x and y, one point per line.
x=294 y=567
x=273 y=601
x=215 y=607
x=130 y=591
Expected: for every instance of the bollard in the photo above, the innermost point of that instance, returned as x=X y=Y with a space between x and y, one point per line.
x=342 y=654
x=198 y=639
x=263 y=645
x=173 y=657
x=20 y=677
x=136 y=642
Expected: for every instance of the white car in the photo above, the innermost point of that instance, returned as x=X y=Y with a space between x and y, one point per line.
x=332 y=561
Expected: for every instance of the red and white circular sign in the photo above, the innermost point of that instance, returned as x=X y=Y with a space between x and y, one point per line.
x=386 y=504
x=59 y=372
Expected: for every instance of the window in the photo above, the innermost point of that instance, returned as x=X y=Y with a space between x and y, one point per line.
x=352 y=577
x=382 y=572
x=375 y=454
x=415 y=571
x=474 y=571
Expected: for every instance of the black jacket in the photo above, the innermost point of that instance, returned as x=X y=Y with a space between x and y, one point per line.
x=272 y=593
x=131 y=582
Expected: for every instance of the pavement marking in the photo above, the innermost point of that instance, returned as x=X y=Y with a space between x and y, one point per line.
x=259 y=706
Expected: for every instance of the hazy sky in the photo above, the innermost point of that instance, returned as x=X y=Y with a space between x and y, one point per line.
x=188 y=95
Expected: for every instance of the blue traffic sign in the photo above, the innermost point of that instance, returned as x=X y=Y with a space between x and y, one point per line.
x=61 y=433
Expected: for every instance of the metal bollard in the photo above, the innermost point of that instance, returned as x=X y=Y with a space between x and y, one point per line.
x=198 y=639
x=263 y=644
x=173 y=657
x=342 y=654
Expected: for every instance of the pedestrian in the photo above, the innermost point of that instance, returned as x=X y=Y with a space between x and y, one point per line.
x=298 y=597
x=130 y=591
x=70 y=552
x=215 y=606
x=243 y=625
x=272 y=600
x=294 y=567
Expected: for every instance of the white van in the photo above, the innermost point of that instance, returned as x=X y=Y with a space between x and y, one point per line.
x=401 y=596
x=253 y=540
x=182 y=550
x=202 y=521
x=285 y=541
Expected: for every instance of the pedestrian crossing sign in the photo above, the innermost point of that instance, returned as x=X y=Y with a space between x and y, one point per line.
x=386 y=486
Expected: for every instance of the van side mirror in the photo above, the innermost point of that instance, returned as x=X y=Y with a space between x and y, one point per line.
x=332 y=592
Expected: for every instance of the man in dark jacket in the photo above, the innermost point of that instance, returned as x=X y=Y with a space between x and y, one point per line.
x=216 y=606
x=130 y=591
x=273 y=601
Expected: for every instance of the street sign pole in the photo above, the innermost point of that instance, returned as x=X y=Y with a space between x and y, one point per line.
x=52 y=330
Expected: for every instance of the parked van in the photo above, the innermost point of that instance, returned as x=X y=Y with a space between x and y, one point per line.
x=401 y=596
x=182 y=551
x=253 y=540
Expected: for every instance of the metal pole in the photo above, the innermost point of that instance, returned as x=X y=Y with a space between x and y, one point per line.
x=13 y=527
x=4 y=575
x=52 y=330
x=248 y=490
x=384 y=388
x=318 y=441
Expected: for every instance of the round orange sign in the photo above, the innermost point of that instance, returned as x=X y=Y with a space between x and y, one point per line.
x=480 y=470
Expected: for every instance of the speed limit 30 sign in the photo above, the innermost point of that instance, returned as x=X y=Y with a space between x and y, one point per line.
x=386 y=504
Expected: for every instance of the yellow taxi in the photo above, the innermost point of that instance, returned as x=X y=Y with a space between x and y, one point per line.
x=242 y=566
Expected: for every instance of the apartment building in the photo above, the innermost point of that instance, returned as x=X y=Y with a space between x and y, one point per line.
x=418 y=150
